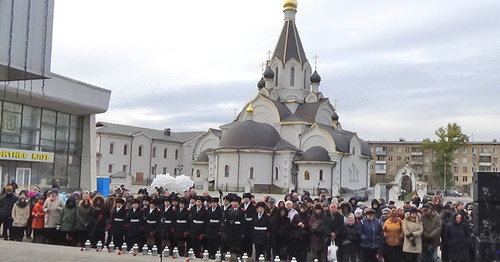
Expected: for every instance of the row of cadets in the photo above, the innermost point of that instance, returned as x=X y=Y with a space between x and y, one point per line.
x=249 y=208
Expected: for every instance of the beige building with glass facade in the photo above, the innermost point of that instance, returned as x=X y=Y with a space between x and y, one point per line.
x=390 y=156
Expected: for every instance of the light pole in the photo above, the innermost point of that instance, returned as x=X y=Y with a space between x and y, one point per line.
x=444 y=174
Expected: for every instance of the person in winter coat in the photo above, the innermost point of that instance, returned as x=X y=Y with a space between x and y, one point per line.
x=280 y=230
x=304 y=216
x=134 y=224
x=118 y=223
x=83 y=221
x=20 y=217
x=38 y=220
x=370 y=231
x=431 y=222
x=456 y=239
x=152 y=217
x=6 y=205
x=393 y=233
x=445 y=219
x=67 y=223
x=351 y=240
x=98 y=220
x=317 y=227
x=376 y=207
x=412 y=230
x=354 y=203
x=335 y=226
x=261 y=225
x=53 y=207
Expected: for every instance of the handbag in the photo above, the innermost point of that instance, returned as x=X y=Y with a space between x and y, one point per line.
x=332 y=252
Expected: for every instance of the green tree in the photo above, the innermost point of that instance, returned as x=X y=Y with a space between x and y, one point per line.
x=450 y=138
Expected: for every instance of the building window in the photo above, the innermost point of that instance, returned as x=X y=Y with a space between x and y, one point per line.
x=140 y=151
x=455 y=178
x=125 y=149
x=455 y=169
x=321 y=175
x=426 y=169
x=390 y=168
x=380 y=158
x=306 y=175
x=176 y=154
x=198 y=173
x=110 y=168
x=407 y=149
x=399 y=150
x=389 y=158
x=426 y=159
x=165 y=153
x=276 y=173
x=473 y=169
x=464 y=179
x=398 y=158
x=464 y=150
x=164 y=170
x=276 y=77
x=407 y=158
x=464 y=169
x=154 y=152
x=226 y=171
x=353 y=150
x=485 y=150
x=473 y=150
x=495 y=160
x=250 y=175
x=292 y=76
x=111 y=148
x=464 y=160
x=390 y=149
x=124 y=168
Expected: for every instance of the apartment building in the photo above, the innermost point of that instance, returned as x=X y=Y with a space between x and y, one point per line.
x=390 y=156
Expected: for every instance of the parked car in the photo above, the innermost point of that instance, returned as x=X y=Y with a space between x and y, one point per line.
x=453 y=193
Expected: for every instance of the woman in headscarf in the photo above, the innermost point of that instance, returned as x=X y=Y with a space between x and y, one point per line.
x=457 y=235
x=20 y=217
x=280 y=228
x=393 y=233
x=98 y=220
x=52 y=208
x=67 y=223
x=317 y=227
x=38 y=220
x=83 y=221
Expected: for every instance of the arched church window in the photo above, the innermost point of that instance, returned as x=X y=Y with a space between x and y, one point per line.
x=251 y=171
x=306 y=175
x=226 y=171
x=139 y=153
x=154 y=152
x=276 y=78
x=198 y=173
x=305 y=79
x=292 y=76
x=165 y=153
x=321 y=175
x=176 y=154
x=125 y=149
x=111 y=148
x=276 y=173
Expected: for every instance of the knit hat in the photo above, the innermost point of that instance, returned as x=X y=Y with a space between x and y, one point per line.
x=386 y=211
x=358 y=211
x=9 y=190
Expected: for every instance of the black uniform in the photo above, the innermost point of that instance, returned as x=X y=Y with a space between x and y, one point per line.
x=181 y=229
x=118 y=225
x=135 y=228
x=199 y=218
x=97 y=226
x=213 y=230
x=235 y=230
x=250 y=211
x=167 y=226
x=224 y=226
x=260 y=233
x=151 y=225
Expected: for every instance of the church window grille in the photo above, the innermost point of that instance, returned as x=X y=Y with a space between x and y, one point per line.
x=292 y=76
x=276 y=78
x=307 y=176
x=226 y=171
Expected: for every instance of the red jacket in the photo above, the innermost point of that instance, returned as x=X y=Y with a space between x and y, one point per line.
x=38 y=220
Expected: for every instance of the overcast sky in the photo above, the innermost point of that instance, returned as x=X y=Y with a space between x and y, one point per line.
x=397 y=68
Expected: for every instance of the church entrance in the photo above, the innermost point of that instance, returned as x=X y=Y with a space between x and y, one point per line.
x=406 y=184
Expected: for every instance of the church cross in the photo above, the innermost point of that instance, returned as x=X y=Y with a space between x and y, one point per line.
x=263 y=65
x=315 y=57
x=269 y=54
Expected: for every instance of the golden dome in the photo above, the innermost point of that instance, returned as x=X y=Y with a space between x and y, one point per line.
x=250 y=109
x=290 y=4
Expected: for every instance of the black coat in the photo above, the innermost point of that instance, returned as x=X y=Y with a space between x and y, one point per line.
x=98 y=218
x=280 y=229
x=135 y=223
x=260 y=229
x=6 y=204
x=213 y=229
x=118 y=221
x=152 y=221
x=199 y=218
x=235 y=220
x=181 y=225
x=457 y=237
x=335 y=224
x=167 y=221
x=250 y=211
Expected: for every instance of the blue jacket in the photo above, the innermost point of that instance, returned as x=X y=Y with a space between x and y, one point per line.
x=371 y=233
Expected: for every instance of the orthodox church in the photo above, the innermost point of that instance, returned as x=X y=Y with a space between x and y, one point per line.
x=288 y=137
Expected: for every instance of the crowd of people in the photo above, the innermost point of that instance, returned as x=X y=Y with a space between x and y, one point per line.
x=297 y=226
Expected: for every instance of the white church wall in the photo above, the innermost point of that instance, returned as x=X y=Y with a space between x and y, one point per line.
x=324 y=114
x=311 y=184
x=230 y=182
x=205 y=142
x=200 y=175
x=117 y=159
x=140 y=164
x=262 y=166
x=315 y=137
x=291 y=133
x=354 y=172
